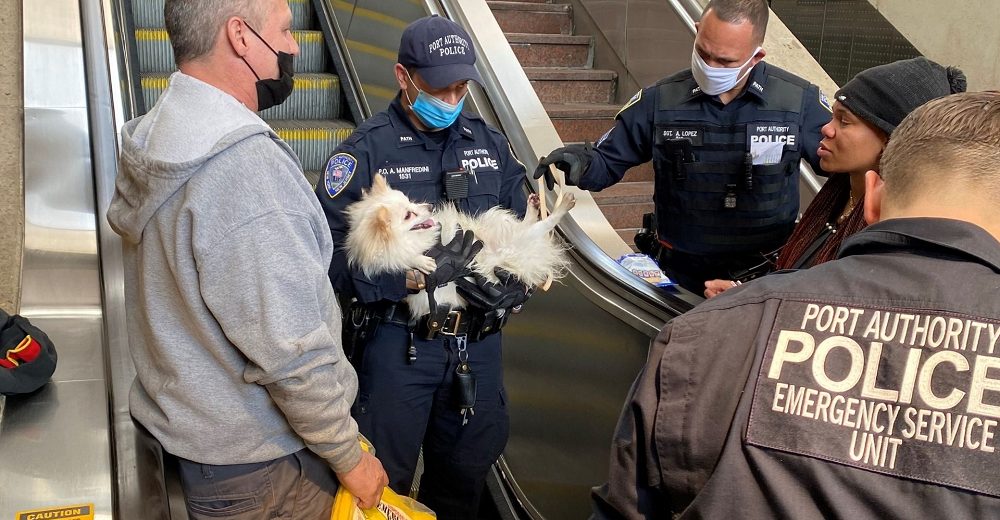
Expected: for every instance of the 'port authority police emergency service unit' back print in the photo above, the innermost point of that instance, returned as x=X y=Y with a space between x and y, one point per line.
x=909 y=393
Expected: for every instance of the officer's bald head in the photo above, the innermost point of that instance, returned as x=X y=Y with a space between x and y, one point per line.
x=944 y=157
x=755 y=12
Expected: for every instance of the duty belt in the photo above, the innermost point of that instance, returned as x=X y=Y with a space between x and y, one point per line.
x=475 y=324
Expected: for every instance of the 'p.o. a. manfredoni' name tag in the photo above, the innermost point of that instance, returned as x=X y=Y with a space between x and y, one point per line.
x=883 y=390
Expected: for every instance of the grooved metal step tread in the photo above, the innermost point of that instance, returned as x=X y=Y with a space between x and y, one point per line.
x=312 y=140
x=149 y=13
x=529 y=6
x=569 y=74
x=551 y=39
x=157 y=55
x=581 y=110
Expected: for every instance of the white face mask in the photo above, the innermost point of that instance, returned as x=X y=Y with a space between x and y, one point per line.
x=716 y=80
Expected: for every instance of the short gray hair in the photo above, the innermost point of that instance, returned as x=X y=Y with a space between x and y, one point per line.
x=194 y=24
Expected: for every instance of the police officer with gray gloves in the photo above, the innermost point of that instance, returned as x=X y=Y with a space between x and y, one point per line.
x=725 y=137
x=865 y=387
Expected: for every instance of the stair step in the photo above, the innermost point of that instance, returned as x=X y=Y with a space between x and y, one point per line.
x=156 y=54
x=577 y=122
x=530 y=17
x=313 y=141
x=563 y=85
x=625 y=193
x=551 y=50
x=626 y=216
x=149 y=14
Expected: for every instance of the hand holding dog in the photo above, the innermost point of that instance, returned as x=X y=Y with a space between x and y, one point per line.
x=509 y=292
x=453 y=259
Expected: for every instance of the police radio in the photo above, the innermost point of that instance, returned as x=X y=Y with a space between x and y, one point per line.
x=456 y=183
x=679 y=150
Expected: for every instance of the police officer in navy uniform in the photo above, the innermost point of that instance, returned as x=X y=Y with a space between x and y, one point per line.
x=409 y=391
x=725 y=137
x=865 y=387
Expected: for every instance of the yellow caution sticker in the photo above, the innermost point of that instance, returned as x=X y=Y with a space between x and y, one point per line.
x=80 y=512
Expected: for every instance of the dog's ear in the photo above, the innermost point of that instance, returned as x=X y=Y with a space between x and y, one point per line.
x=379 y=184
x=383 y=222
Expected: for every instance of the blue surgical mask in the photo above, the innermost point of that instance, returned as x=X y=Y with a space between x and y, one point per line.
x=434 y=113
x=716 y=80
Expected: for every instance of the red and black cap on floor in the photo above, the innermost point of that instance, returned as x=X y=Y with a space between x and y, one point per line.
x=27 y=356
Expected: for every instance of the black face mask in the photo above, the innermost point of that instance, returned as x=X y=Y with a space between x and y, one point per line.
x=273 y=92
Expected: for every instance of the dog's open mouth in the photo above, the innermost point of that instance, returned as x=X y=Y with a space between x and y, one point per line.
x=426 y=224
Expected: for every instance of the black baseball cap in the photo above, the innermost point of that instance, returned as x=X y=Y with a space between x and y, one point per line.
x=439 y=50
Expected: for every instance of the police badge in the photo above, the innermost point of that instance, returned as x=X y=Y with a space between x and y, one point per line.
x=339 y=171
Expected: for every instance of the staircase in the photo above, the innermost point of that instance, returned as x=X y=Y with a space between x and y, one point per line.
x=579 y=99
x=310 y=120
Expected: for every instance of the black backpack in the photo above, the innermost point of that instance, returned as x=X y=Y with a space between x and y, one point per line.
x=27 y=356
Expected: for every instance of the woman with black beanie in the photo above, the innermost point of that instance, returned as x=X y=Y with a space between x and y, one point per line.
x=865 y=112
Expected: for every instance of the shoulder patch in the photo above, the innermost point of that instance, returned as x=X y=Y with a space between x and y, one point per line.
x=339 y=171
x=825 y=101
x=635 y=99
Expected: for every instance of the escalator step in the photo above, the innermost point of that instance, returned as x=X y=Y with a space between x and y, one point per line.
x=312 y=51
x=312 y=176
x=316 y=96
x=156 y=54
x=149 y=14
x=313 y=141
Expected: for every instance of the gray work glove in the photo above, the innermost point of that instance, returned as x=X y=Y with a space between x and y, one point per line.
x=573 y=160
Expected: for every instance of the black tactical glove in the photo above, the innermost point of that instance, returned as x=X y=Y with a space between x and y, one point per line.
x=572 y=160
x=509 y=292
x=452 y=259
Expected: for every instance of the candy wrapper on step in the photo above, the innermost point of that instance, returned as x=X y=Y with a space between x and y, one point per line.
x=392 y=507
x=645 y=267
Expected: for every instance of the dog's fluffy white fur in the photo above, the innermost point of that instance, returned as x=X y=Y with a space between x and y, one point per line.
x=389 y=234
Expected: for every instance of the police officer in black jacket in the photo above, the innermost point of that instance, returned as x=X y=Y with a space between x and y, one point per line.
x=865 y=387
x=725 y=137
x=409 y=393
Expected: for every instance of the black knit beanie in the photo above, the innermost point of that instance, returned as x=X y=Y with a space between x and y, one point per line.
x=885 y=94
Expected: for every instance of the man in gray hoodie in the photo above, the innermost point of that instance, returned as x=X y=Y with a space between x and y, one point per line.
x=234 y=328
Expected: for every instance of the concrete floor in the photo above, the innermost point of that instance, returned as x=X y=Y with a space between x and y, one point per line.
x=11 y=155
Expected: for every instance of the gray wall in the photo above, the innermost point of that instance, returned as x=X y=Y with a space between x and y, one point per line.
x=952 y=33
x=11 y=156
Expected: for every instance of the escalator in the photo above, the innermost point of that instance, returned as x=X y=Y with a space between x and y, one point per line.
x=569 y=358
x=312 y=121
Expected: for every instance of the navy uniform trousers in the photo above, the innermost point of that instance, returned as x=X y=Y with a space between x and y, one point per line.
x=401 y=406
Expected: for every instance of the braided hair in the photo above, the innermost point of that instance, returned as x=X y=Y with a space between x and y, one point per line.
x=824 y=209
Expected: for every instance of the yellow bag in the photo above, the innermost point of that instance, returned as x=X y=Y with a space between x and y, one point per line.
x=392 y=506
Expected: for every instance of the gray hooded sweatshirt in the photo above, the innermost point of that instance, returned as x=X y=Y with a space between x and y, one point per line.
x=233 y=325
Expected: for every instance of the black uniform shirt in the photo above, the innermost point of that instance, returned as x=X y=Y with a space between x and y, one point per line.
x=866 y=387
x=413 y=162
x=775 y=107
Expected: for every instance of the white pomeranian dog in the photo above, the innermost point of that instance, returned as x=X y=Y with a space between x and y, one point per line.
x=389 y=234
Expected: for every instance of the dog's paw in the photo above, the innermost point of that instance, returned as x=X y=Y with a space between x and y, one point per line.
x=533 y=201
x=425 y=264
x=567 y=203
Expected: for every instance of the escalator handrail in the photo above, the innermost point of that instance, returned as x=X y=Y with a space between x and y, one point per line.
x=336 y=44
